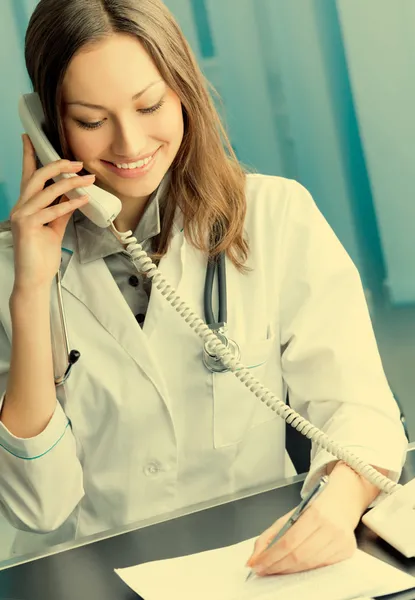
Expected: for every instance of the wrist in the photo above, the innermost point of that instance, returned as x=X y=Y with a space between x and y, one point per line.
x=356 y=490
x=24 y=303
x=21 y=294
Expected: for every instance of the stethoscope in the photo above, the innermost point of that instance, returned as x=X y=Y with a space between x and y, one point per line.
x=73 y=355
x=211 y=361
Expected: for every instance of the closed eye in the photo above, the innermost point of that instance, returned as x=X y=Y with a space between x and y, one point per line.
x=89 y=125
x=151 y=109
x=145 y=111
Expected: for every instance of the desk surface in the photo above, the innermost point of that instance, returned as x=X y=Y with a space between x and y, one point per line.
x=86 y=571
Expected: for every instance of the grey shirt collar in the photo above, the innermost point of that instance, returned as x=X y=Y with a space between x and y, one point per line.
x=94 y=242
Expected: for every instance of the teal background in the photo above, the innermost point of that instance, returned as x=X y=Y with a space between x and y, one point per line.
x=319 y=91
x=322 y=91
x=322 y=94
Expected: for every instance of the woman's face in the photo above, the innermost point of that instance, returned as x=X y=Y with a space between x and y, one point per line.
x=118 y=113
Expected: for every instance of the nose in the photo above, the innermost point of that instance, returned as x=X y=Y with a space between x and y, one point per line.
x=130 y=138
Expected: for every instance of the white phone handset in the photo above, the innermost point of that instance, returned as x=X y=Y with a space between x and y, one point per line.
x=102 y=207
x=393 y=519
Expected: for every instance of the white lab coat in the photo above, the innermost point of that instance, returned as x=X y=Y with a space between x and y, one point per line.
x=151 y=430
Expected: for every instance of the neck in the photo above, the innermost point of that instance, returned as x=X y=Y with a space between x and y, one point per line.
x=133 y=209
x=131 y=212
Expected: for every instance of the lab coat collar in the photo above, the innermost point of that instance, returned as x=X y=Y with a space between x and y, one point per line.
x=92 y=284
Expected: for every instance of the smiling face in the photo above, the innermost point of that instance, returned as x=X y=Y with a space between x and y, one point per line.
x=120 y=117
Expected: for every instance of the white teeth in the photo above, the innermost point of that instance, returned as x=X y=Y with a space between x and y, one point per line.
x=136 y=165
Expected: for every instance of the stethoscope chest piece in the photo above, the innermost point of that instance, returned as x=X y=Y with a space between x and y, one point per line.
x=212 y=362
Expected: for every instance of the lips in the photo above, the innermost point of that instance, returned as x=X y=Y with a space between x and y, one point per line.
x=130 y=160
x=133 y=173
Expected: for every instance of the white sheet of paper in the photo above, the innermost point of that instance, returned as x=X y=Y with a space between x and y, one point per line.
x=221 y=574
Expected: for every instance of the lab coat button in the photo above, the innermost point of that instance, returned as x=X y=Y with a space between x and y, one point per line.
x=133 y=280
x=152 y=468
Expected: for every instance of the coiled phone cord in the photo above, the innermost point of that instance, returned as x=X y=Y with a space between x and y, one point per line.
x=144 y=264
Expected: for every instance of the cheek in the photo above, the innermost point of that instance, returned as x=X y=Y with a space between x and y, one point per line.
x=170 y=125
x=85 y=145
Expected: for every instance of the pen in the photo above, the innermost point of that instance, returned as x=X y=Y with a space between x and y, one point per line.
x=304 y=504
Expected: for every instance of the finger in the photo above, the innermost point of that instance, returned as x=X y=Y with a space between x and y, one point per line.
x=261 y=543
x=60 y=223
x=44 y=198
x=306 y=525
x=336 y=552
x=48 y=215
x=29 y=160
x=338 y=556
x=308 y=555
x=325 y=547
x=327 y=557
x=37 y=181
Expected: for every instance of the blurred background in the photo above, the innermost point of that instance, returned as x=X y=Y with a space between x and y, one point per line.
x=315 y=90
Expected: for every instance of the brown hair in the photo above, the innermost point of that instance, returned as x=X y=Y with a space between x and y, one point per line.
x=207 y=181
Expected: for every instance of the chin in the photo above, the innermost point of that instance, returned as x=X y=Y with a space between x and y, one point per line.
x=132 y=187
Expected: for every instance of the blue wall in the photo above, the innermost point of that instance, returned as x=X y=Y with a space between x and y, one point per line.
x=284 y=81
x=311 y=94
x=14 y=17
x=381 y=59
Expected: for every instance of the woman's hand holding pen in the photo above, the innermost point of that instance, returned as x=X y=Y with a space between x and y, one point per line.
x=323 y=534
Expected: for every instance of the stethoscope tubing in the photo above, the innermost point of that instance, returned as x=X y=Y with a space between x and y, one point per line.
x=214 y=265
x=73 y=355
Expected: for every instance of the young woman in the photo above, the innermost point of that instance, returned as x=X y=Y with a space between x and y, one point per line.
x=142 y=427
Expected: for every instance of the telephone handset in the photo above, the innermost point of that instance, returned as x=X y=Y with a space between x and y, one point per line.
x=102 y=207
x=394 y=517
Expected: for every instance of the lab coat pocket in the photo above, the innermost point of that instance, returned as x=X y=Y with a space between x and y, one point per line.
x=236 y=409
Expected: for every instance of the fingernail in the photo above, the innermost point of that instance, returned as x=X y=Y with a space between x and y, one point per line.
x=77 y=163
x=88 y=176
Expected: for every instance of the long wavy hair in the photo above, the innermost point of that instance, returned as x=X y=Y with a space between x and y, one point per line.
x=207 y=181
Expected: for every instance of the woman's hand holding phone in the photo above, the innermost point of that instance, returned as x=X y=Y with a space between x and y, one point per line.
x=37 y=227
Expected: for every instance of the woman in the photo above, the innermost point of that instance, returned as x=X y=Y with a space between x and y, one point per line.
x=142 y=427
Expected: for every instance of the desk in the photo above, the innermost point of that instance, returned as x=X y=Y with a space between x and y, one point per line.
x=85 y=571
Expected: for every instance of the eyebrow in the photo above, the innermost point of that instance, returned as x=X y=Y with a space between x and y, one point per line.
x=97 y=106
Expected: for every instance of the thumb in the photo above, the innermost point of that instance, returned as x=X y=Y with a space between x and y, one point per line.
x=262 y=542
